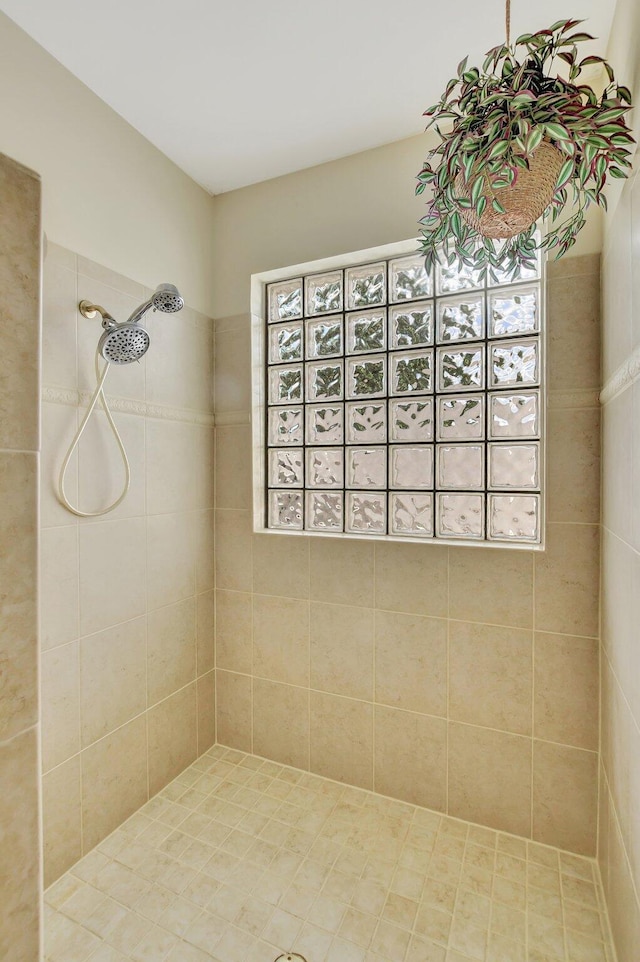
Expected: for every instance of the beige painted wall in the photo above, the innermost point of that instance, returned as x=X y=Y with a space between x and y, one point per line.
x=20 y=840
x=465 y=680
x=107 y=192
x=619 y=843
x=127 y=599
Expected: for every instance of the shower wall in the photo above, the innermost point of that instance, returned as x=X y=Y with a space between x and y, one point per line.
x=462 y=679
x=127 y=599
x=20 y=255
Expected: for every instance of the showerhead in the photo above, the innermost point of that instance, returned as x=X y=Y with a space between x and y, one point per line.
x=124 y=343
x=165 y=298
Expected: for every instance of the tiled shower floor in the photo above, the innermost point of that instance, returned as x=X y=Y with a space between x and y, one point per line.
x=240 y=859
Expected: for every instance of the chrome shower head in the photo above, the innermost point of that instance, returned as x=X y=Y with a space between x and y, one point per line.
x=124 y=343
x=165 y=298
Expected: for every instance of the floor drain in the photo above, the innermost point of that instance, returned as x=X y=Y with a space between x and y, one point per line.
x=291 y=957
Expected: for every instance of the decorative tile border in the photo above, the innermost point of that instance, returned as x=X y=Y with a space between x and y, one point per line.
x=622 y=378
x=123 y=405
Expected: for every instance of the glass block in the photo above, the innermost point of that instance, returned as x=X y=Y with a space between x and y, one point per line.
x=366 y=285
x=411 y=420
x=366 y=331
x=514 y=517
x=325 y=468
x=515 y=466
x=412 y=326
x=411 y=372
x=460 y=319
x=460 y=516
x=366 y=423
x=460 y=370
x=285 y=384
x=285 y=425
x=286 y=469
x=285 y=509
x=285 y=300
x=324 y=337
x=366 y=377
x=323 y=293
x=460 y=466
x=324 y=380
x=408 y=279
x=367 y=467
x=513 y=312
x=366 y=512
x=411 y=514
x=514 y=415
x=411 y=467
x=325 y=424
x=456 y=277
x=285 y=343
x=514 y=363
x=324 y=511
x=461 y=418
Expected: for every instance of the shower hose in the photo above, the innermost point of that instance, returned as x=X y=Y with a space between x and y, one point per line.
x=98 y=395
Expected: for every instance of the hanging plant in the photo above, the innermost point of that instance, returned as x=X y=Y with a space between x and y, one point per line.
x=521 y=142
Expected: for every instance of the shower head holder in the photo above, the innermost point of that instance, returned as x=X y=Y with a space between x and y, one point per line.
x=89 y=310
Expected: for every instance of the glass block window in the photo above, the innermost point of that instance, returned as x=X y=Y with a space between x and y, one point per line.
x=404 y=405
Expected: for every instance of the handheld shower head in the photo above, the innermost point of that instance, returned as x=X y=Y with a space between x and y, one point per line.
x=165 y=298
x=124 y=343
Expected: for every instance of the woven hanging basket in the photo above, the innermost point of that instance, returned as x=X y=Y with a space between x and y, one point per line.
x=524 y=201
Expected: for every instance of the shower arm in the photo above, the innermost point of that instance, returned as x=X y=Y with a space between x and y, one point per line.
x=89 y=310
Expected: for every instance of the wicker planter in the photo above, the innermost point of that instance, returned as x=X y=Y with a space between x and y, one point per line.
x=524 y=201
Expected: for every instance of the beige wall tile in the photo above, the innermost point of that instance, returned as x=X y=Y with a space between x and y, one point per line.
x=233 y=550
x=411 y=662
x=203 y=522
x=59 y=424
x=205 y=631
x=20 y=832
x=491 y=585
x=233 y=707
x=233 y=370
x=619 y=571
x=574 y=304
x=59 y=322
x=410 y=757
x=624 y=912
x=173 y=736
x=342 y=739
x=62 y=819
x=566 y=690
x=573 y=465
x=171 y=648
x=104 y=275
x=616 y=290
x=20 y=239
x=234 y=630
x=113 y=678
x=342 y=643
x=206 y=711
x=171 y=562
x=281 y=565
x=233 y=466
x=114 y=780
x=59 y=598
x=18 y=579
x=281 y=639
x=617 y=434
x=179 y=366
x=490 y=778
x=60 y=704
x=112 y=569
x=491 y=676
x=281 y=723
x=342 y=571
x=101 y=474
x=561 y=773
x=412 y=578
x=566 y=580
x=203 y=470
x=170 y=452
